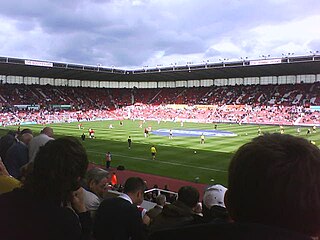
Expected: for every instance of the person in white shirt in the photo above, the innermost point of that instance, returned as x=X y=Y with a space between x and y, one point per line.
x=45 y=135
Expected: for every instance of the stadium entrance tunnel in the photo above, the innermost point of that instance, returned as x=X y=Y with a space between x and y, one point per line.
x=193 y=133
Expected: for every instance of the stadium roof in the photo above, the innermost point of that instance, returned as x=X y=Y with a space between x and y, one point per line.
x=236 y=69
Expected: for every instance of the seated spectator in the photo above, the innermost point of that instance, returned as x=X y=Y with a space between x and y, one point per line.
x=7 y=182
x=97 y=181
x=18 y=154
x=148 y=197
x=119 y=218
x=6 y=142
x=156 y=210
x=50 y=203
x=26 y=170
x=274 y=192
x=178 y=213
x=45 y=135
x=214 y=208
x=145 y=218
x=171 y=197
x=282 y=178
x=198 y=210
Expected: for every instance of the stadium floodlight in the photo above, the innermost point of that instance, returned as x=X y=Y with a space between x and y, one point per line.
x=287 y=55
x=223 y=59
x=205 y=63
x=314 y=53
x=265 y=56
x=99 y=65
x=243 y=59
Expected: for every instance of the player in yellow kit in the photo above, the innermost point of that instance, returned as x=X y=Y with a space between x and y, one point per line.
x=153 y=152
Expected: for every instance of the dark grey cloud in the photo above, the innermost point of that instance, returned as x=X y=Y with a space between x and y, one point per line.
x=128 y=33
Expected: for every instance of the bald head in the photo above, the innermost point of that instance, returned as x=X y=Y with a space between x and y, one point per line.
x=47 y=131
x=26 y=138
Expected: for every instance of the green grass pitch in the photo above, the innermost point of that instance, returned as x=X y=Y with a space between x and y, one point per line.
x=176 y=158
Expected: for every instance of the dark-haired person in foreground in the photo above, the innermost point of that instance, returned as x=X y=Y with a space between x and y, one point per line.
x=119 y=218
x=273 y=193
x=50 y=203
x=280 y=173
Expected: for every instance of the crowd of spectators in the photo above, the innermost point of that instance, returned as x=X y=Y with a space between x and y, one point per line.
x=302 y=94
x=46 y=191
x=286 y=104
x=273 y=193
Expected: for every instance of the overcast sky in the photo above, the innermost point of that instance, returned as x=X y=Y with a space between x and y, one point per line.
x=136 y=33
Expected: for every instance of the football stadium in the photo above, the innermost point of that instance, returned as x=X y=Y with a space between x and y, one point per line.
x=229 y=103
x=152 y=120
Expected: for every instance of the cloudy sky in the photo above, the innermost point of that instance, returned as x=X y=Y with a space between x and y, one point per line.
x=136 y=33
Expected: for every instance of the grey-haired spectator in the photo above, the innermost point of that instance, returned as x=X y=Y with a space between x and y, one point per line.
x=96 y=180
x=156 y=210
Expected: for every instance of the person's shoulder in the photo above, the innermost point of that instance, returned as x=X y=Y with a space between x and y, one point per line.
x=8 y=180
x=114 y=200
x=18 y=146
x=110 y=204
x=89 y=196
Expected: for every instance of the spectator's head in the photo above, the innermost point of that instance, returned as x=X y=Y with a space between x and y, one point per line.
x=161 y=199
x=47 y=131
x=97 y=180
x=214 y=196
x=275 y=180
x=213 y=203
x=58 y=169
x=6 y=142
x=198 y=208
x=189 y=196
x=26 y=130
x=135 y=187
x=26 y=138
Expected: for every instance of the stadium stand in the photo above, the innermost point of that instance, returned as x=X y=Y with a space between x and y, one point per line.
x=283 y=104
x=268 y=104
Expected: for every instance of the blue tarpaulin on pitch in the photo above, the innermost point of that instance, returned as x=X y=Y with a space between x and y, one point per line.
x=193 y=133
